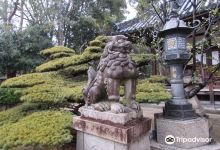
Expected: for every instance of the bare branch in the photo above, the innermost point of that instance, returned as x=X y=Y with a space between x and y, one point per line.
x=200 y=86
x=22 y=15
x=14 y=11
x=157 y=12
x=23 y=18
x=32 y=17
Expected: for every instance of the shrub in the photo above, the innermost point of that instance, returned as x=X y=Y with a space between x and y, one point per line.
x=93 y=49
x=56 y=50
x=75 y=94
x=95 y=43
x=148 y=92
x=46 y=128
x=142 y=59
x=24 y=81
x=150 y=87
x=152 y=97
x=8 y=96
x=151 y=92
x=61 y=63
x=53 y=94
x=158 y=79
x=75 y=70
x=49 y=87
x=14 y=114
x=102 y=38
x=63 y=58
x=60 y=55
x=32 y=79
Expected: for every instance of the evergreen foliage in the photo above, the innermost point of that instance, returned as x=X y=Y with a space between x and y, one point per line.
x=57 y=52
x=142 y=59
x=48 y=87
x=74 y=64
x=148 y=92
x=158 y=79
x=16 y=113
x=9 y=97
x=51 y=83
x=52 y=86
x=46 y=128
x=19 y=50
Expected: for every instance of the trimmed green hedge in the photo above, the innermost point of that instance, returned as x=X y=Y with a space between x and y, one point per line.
x=151 y=92
x=158 y=79
x=62 y=58
x=46 y=128
x=60 y=55
x=14 y=114
x=56 y=50
x=95 y=43
x=8 y=96
x=142 y=59
x=29 y=125
x=49 y=87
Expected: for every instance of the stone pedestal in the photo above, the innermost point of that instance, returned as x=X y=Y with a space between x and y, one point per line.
x=184 y=134
x=98 y=134
x=108 y=116
x=157 y=146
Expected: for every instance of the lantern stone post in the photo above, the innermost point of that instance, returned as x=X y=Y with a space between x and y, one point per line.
x=178 y=120
x=174 y=33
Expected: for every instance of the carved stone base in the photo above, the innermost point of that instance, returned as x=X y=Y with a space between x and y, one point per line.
x=108 y=116
x=157 y=146
x=95 y=135
x=179 y=112
x=183 y=133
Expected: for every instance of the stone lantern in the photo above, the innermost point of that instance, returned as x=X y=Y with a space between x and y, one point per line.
x=174 y=33
x=178 y=119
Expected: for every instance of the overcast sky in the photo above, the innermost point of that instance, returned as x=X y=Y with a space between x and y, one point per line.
x=131 y=11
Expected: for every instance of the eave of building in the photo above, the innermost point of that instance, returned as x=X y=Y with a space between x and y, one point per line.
x=185 y=12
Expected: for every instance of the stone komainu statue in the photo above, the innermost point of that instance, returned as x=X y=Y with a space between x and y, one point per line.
x=115 y=69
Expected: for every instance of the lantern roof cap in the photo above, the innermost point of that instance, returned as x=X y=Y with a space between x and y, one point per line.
x=175 y=25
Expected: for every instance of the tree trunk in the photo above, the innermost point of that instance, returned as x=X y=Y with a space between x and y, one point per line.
x=22 y=15
x=194 y=37
x=10 y=73
x=13 y=12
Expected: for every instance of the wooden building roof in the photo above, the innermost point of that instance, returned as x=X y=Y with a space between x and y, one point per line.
x=185 y=11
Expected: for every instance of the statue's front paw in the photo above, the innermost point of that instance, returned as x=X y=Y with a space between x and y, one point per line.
x=102 y=106
x=135 y=105
x=117 y=108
